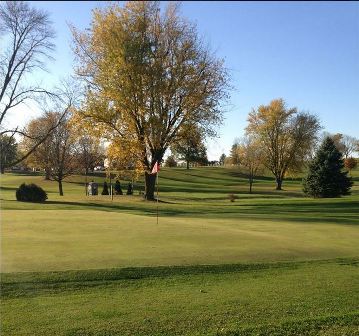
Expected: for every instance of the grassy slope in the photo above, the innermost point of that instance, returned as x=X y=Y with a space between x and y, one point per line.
x=198 y=225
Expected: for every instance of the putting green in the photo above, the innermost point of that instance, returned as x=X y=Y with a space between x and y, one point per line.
x=78 y=239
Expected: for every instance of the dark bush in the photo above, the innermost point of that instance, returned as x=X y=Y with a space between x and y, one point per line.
x=30 y=193
x=232 y=197
x=129 y=189
x=118 y=190
x=105 y=189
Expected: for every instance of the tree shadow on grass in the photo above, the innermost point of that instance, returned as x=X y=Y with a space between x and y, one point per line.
x=314 y=211
x=343 y=213
x=8 y=188
x=43 y=283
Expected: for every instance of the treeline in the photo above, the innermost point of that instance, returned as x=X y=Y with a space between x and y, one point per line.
x=284 y=141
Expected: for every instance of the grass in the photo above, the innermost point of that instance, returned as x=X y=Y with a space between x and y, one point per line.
x=270 y=263
x=289 y=298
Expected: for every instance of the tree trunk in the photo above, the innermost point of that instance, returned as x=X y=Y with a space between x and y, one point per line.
x=60 y=188
x=187 y=164
x=150 y=183
x=278 y=181
x=2 y=170
x=250 y=184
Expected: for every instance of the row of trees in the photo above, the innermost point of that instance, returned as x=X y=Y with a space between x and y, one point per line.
x=66 y=149
x=283 y=141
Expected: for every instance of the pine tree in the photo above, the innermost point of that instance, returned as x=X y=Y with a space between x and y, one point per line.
x=118 y=189
x=129 y=189
x=325 y=177
x=105 y=189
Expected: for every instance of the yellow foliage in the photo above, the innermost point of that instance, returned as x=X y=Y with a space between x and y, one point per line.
x=147 y=74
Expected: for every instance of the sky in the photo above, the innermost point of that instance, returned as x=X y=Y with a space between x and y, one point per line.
x=304 y=52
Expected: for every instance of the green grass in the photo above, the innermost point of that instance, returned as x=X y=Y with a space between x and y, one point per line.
x=266 y=299
x=273 y=262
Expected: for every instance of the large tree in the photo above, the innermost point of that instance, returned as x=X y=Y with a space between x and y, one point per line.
x=26 y=42
x=35 y=130
x=58 y=155
x=38 y=135
x=147 y=73
x=286 y=136
x=62 y=150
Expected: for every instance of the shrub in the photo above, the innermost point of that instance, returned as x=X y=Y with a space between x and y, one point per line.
x=30 y=193
x=129 y=189
x=105 y=189
x=171 y=161
x=118 y=190
x=232 y=197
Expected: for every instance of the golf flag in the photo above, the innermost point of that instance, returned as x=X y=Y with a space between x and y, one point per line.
x=156 y=168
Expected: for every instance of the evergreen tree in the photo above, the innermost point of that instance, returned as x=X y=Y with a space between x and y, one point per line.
x=129 y=189
x=8 y=151
x=234 y=155
x=105 y=189
x=222 y=158
x=171 y=161
x=325 y=177
x=118 y=190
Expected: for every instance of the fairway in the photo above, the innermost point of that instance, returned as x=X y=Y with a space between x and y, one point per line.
x=273 y=262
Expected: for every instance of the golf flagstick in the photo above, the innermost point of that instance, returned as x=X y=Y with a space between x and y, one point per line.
x=155 y=170
x=157 y=194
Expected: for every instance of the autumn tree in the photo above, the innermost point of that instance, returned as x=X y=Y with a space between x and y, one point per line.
x=8 y=151
x=89 y=152
x=38 y=136
x=346 y=144
x=147 y=74
x=189 y=145
x=57 y=155
x=62 y=148
x=350 y=163
x=285 y=135
x=26 y=42
x=250 y=154
x=222 y=159
x=35 y=130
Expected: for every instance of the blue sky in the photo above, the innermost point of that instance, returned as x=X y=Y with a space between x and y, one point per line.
x=304 y=52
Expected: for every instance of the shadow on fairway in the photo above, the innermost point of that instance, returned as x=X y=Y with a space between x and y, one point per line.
x=41 y=283
x=341 y=213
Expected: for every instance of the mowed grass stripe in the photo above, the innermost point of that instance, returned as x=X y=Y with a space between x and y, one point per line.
x=268 y=300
